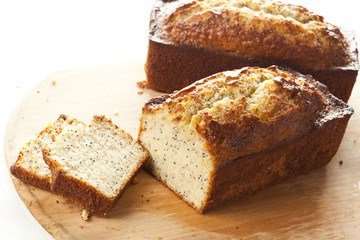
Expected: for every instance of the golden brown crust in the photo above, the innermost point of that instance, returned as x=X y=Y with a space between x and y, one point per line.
x=171 y=66
x=256 y=28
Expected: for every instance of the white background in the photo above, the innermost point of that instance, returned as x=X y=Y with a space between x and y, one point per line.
x=39 y=37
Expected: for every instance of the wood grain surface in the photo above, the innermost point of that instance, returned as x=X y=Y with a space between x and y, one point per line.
x=324 y=204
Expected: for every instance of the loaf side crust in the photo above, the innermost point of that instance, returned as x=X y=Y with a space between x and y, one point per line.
x=249 y=174
x=169 y=67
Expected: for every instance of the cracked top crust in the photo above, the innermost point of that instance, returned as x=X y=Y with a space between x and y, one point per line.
x=252 y=109
x=252 y=28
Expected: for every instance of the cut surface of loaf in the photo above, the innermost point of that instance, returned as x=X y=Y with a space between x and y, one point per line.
x=92 y=164
x=30 y=166
x=235 y=132
x=203 y=37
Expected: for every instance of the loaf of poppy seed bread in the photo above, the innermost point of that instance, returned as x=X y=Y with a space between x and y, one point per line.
x=235 y=132
x=189 y=40
x=30 y=166
x=93 y=164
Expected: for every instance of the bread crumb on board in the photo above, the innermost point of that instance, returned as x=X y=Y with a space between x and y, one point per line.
x=140 y=92
x=135 y=181
x=85 y=215
x=341 y=162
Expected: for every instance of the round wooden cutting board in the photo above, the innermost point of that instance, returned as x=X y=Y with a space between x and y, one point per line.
x=322 y=204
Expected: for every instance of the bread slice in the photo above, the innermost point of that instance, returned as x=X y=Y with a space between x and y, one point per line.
x=236 y=132
x=92 y=165
x=30 y=166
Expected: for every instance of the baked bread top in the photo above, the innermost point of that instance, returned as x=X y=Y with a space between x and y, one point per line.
x=250 y=110
x=253 y=29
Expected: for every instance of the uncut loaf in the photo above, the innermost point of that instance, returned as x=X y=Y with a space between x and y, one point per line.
x=189 y=40
x=235 y=132
x=93 y=164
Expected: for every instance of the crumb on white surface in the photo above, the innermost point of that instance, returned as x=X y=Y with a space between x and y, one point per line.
x=141 y=84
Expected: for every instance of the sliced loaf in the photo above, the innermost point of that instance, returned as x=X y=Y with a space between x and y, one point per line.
x=30 y=166
x=92 y=165
x=236 y=132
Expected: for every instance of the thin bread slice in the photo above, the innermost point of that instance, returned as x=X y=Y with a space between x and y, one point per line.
x=92 y=165
x=30 y=166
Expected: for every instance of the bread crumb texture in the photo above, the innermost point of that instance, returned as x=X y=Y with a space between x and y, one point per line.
x=265 y=29
x=99 y=154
